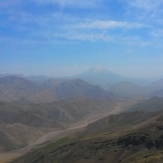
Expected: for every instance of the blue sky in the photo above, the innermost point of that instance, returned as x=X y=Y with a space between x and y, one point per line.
x=66 y=37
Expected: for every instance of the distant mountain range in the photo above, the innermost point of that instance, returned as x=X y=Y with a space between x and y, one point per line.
x=77 y=88
x=96 y=75
x=99 y=75
x=158 y=93
x=95 y=83
x=158 y=84
x=158 y=87
x=129 y=90
x=13 y=88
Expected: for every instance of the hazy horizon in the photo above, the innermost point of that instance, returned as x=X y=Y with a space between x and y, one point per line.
x=63 y=38
x=150 y=78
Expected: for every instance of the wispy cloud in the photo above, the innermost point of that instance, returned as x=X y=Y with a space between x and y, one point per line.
x=89 y=30
x=61 y=25
x=147 y=10
x=10 y=3
x=157 y=33
x=65 y=3
x=84 y=36
x=148 y=5
x=108 y=24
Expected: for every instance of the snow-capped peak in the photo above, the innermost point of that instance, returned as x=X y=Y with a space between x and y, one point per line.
x=98 y=69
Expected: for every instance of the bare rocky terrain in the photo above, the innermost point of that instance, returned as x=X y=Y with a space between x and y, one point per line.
x=76 y=127
x=132 y=136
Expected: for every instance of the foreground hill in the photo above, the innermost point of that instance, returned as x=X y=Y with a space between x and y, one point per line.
x=130 y=137
x=142 y=142
x=23 y=122
x=151 y=105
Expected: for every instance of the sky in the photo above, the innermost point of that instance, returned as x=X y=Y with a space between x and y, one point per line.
x=67 y=37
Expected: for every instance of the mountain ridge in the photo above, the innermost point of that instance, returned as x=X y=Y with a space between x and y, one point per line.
x=95 y=75
x=13 y=88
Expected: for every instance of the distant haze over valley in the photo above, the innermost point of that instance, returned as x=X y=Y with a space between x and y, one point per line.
x=95 y=83
x=76 y=70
